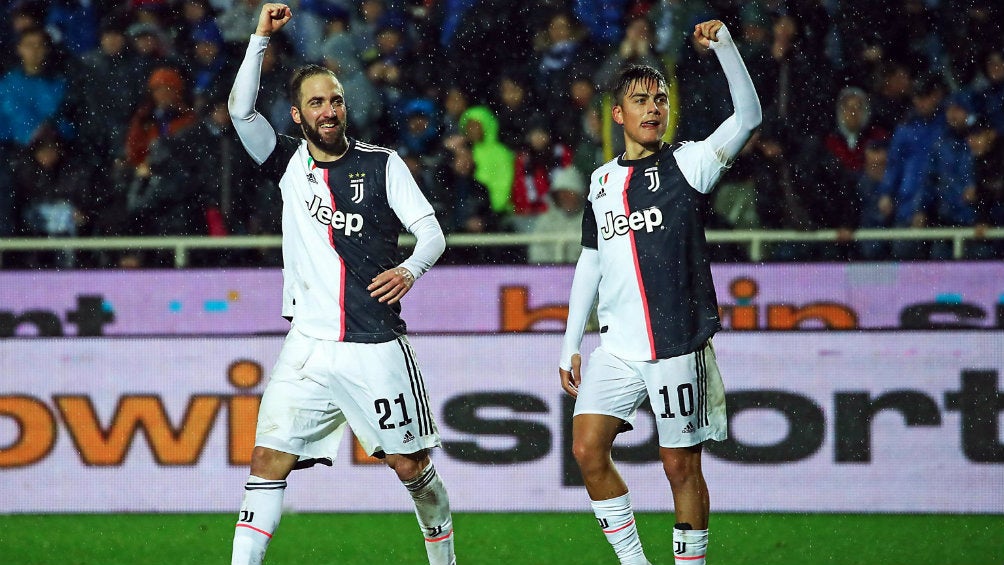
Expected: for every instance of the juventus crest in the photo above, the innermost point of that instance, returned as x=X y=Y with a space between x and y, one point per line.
x=653 y=178
x=356 y=183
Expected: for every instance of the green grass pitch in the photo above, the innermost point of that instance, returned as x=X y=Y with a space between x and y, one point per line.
x=509 y=539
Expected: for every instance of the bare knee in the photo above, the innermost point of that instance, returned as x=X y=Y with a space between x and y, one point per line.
x=407 y=466
x=591 y=455
x=271 y=464
x=681 y=464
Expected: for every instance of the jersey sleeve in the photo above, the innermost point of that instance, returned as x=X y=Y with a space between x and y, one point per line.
x=700 y=165
x=403 y=194
x=589 y=233
x=256 y=134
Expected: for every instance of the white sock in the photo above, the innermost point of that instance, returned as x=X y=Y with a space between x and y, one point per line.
x=617 y=521
x=689 y=546
x=432 y=508
x=258 y=519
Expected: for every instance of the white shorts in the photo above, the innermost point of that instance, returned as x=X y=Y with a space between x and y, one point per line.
x=686 y=392
x=319 y=386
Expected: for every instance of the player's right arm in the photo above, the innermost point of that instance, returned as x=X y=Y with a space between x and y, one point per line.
x=255 y=132
x=585 y=283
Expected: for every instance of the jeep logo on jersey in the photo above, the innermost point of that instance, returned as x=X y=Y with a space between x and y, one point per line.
x=356 y=182
x=620 y=224
x=349 y=223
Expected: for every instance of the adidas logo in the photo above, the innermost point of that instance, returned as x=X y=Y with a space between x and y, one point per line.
x=689 y=428
x=408 y=436
x=602 y=192
x=311 y=178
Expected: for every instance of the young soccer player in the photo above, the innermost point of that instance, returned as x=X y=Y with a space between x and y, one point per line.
x=644 y=253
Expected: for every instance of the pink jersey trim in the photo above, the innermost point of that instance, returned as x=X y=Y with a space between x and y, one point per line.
x=637 y=270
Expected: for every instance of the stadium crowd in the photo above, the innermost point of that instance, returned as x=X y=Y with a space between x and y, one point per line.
x=113 y=115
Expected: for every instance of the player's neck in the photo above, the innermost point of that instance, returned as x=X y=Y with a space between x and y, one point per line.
x=634 y=150
x=329 y=155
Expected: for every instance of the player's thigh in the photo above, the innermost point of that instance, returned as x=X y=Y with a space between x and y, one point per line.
x=610 y=386
x=688 y=398
x=382 y=392
x=296 y=414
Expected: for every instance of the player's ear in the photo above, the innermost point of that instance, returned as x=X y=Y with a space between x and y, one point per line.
x=294 y=112
x=618 y=114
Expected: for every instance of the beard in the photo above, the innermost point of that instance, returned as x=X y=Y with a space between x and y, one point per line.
x=336 y=147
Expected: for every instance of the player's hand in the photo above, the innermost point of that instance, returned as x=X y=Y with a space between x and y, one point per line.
x=570 y=379
x=390 y=285
x=272 y=18
x=706 y=32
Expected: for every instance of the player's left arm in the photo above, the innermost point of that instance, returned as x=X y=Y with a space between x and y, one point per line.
x=721 y=148
x=417 y=215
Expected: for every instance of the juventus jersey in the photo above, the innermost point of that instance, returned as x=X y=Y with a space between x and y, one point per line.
x=656 y=297
x=341 y=222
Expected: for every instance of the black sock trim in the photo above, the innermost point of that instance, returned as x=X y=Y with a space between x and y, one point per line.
x=683 y=526
x=422 y=480
x=266 y=485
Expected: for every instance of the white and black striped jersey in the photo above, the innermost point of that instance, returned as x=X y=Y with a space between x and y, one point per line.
x=656 y=297
x=341 y=221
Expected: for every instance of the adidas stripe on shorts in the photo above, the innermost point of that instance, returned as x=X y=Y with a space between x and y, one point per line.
x=318 y=387
x=686 y=393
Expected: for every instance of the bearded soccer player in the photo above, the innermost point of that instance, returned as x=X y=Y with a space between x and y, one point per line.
x=346 y=360
x=645 y=254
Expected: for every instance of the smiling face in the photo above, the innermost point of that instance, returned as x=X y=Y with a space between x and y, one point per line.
x=644 y=112
x=320 y=113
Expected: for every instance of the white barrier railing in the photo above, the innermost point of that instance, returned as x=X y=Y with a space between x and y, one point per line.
x=753 y=239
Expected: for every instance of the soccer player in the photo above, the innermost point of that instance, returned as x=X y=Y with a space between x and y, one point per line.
x=346 y=359
x=644 y=252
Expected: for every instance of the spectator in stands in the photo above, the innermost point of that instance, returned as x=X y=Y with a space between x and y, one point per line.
x=564 y=217
x=152 y=48
x=953 y=184
x=562 y=53
x=905 y=190
x=635 y=48
x=76 y=24
x=455 y=103
x=107 y=85
x=989 y=97
x=853 y=131
x=210 y=67
x=52 y=192
x=166 y=112
x=537 y=161
x=876 y=156
x=589 y=153
x=420 y=134
x=31 y=94
x=890 y=100
x=515 y=107
x=493 y=161
x=461 y=202
x=985 y=142
x=801 y=91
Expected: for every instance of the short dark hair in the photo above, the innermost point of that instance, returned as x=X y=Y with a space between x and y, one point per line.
x=636 y=73
x=301 y=74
